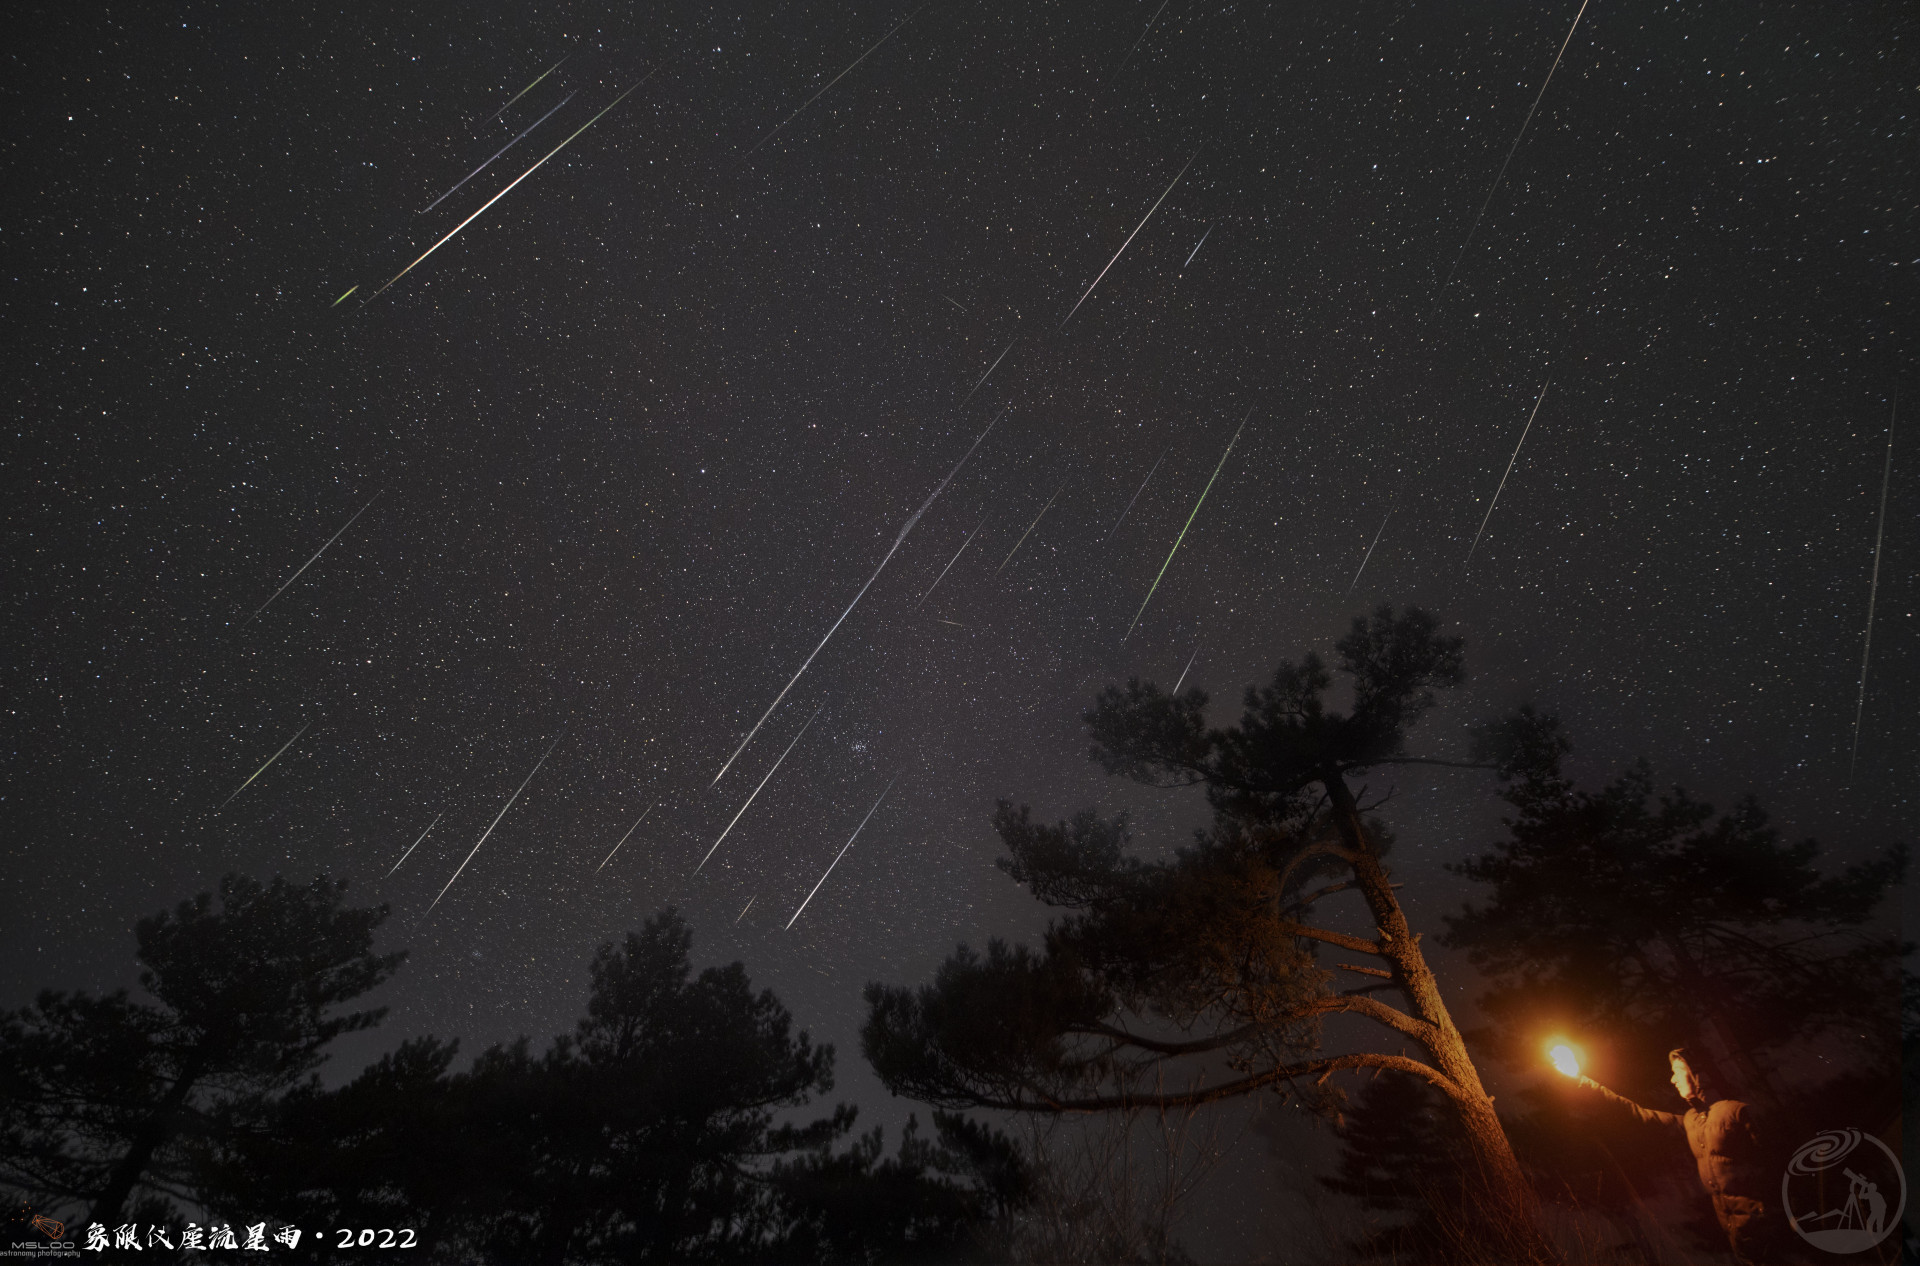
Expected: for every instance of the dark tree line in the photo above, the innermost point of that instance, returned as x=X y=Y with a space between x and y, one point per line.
x=669 y=1126
x=683 y=1118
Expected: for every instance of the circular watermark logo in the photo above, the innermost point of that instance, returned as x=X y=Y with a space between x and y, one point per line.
x=1842 y=1195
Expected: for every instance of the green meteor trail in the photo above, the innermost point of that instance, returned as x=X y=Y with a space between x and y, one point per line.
x=530 y=87
x=1189 y=523
x=263 y=769
x=343 y=298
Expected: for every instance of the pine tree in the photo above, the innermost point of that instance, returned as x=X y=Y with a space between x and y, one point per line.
x=1164 y=968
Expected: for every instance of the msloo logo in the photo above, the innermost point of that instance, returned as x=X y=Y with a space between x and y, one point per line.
x=1841 y=1196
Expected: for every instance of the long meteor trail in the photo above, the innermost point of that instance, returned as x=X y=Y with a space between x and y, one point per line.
x=842 y=852
x=837 y=78
x=316 y=554
x=756 y=790
x=1136 y=233
x=509 y=189
x=1369 y=555
x=1137 y=491
x=1187 y=669
x=503 y=813
x=623 y=839
x=1029 y=532
x=1494 y=187
x=263 y=769
x=950 y=562
x=530 y=87
x=1509 y=471
x=856 y=600
x=416 y=844
x=1873 y=593
x=503 y=149
x=1189 y=523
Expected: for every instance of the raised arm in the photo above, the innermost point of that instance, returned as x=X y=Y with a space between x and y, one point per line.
x=1649 y=1115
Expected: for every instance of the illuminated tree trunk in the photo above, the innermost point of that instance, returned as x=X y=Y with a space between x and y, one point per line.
x=1506 y=1190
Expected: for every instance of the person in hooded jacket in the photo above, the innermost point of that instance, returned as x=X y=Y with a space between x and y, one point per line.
x=1732 y=1151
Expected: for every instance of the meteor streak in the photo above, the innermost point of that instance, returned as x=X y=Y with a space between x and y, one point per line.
x=416 y=844
x=1029 y=532
x=1873 y=593
x=756 y=790
x=1197 y=245
x=343 y=298
x=503 y=149
x=316 y=557
x=1515 y=146
x=1189 y=523
x=1123 y=246
x=530 y=87
x=1188 y=668
x=949 y=567
x=1503 y=478
x=856 y=600
x=837 y=78
x=1369 y=555
x=503 y=813
x=1137 y=491
x=509 y=189
x=623 y=839
x=743 y=909
x=1143 y=36
x=842 y=852
x=263 y=769
x=983 y=377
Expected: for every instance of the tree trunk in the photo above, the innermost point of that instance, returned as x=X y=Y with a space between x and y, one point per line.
x=153 y=1133
x=1507 y=1194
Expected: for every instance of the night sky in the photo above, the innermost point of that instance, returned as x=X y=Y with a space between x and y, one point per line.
x=642 y=430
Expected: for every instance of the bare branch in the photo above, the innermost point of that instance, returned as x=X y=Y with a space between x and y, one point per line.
x=1226 y=1090
x=1365 y=971
x=1359 y=945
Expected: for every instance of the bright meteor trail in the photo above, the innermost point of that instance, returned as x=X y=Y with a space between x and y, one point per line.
x=623 y=839
x=842 y=852
x=509 y=189
x=1029 y=532
x=316 y=554
x=856 y=600
x=263 y=769
x=950 y=562
x=416 y=844
x=1136 y=233
x=1503 y=478
x=1494 y=187
x=756 y=790
x=503 y=149
x=1197 y=245
x=837 y=78
x=1189 y=523
x=503 y=813
x=530 y=87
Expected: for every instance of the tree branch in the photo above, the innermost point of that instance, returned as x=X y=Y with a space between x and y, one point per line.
x=1365 y=971
x=1225 y=1090
x=1359 y=945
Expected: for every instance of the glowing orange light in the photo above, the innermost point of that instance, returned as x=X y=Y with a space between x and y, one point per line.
x=1565 y=1061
